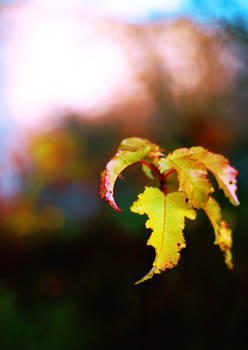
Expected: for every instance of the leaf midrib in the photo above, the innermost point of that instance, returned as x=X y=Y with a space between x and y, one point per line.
x=188 y=178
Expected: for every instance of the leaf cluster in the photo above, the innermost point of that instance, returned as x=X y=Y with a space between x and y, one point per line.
x=167 y=211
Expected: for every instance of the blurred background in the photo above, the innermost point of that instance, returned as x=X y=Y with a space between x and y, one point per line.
x=75 y=78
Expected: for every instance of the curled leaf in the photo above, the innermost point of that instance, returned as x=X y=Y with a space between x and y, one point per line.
x=192 y=177
x=131 y=150
x=223 y=234
x=166 y=217
x=220 y=167
x=115 y=166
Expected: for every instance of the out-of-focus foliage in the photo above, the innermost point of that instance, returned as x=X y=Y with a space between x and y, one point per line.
x=157 y=69
x=57 y=185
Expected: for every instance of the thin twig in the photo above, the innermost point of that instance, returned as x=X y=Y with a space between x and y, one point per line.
x=162 y=177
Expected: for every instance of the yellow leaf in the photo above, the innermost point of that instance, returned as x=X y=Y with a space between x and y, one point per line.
x=134 y=143
x=166 y=217
x=122 y=159
x=221 y=169
x=192 y=177
x=130 y=151
x=223 y=234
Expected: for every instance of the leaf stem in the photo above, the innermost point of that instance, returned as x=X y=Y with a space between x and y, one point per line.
x=163 y=188
x=163 y=180
x=162 y=177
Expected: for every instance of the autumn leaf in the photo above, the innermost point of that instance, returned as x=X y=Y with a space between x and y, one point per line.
x=166 y=217
x=134 y=143
x=223 y=234
x=167 y=211
x=192 y=176
x=122 y=159
x=221 y=169
x=131 y=150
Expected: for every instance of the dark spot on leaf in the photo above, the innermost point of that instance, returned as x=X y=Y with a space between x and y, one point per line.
x=186 y=200
x=230 y=182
